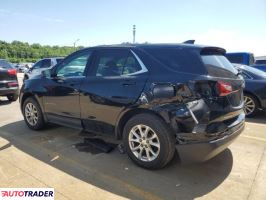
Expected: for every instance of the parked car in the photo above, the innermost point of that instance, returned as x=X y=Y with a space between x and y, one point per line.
x=260 y=64
x=22 y=68
x=254 y=92
x=41 y=65
x=155 y=98
x=244 y=58
x=8 y=81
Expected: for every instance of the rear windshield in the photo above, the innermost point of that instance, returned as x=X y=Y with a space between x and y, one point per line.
x=4 y=64
x=260 y=62
x=219 y=66
x=177 y=59
x=235 y=58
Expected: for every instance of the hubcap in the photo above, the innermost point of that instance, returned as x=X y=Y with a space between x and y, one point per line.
x=249 y=106
x=31 y=114
x=144 y=143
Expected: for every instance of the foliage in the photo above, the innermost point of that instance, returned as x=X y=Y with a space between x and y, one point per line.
x=17 y=51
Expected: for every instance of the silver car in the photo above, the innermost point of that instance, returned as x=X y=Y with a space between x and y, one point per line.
x=41 y=65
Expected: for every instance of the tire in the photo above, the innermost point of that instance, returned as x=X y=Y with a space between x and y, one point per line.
x=12 y=97
x=35 y=124
x=251 y=105
x=161 y=135
x=25 y=78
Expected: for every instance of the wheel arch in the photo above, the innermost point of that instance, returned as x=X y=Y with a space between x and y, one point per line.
x=30 y=94
x=121 y=122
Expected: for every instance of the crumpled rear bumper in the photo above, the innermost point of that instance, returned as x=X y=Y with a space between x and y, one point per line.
x=203 y=151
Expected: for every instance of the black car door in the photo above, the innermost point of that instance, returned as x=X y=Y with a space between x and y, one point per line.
x=115 y=81
x=61 y=99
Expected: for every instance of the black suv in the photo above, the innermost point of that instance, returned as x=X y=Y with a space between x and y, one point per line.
x=156 y=98
x=8 y=81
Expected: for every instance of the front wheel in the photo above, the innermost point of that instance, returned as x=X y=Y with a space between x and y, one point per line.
x=148 y=141
x=33 y=114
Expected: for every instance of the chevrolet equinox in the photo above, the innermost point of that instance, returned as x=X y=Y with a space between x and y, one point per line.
x=156 y=98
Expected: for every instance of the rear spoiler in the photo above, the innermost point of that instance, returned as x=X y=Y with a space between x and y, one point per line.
x=212 y=51
x=189 y=42
x=208 y=50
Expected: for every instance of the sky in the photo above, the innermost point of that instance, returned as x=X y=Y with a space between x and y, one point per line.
x=236 y=25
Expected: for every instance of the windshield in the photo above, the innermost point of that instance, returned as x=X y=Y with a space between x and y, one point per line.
x=260 y=62
x=4 y=64
x=219 y=66
x=235 y=58
x=254 y=71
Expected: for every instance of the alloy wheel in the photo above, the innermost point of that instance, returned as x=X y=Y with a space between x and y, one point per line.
x=144 y=143
x=31 y=114
x=249 y=105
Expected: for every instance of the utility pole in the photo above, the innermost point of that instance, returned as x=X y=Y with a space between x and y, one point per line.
x=75 y=43
x=134 y=33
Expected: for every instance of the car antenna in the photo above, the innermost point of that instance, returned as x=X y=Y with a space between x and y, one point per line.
x=189 y=42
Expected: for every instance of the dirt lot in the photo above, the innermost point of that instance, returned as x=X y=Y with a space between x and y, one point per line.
x=49 y=159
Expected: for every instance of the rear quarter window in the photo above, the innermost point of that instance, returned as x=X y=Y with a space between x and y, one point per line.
x=178 y=59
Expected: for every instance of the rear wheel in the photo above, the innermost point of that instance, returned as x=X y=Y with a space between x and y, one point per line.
x=148 y=141
x=251 y=105
x=12 y=97
x=32 y=114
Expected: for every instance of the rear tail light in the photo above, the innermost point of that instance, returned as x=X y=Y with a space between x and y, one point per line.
x=12 y=72
x=12 y=84
x=224 y=88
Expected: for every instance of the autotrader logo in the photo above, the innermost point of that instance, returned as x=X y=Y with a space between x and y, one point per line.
x=26 y=193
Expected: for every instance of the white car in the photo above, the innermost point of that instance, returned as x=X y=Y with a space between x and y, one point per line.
x=41 y=65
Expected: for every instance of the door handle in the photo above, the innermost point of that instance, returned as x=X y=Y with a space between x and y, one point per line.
x=128 y=83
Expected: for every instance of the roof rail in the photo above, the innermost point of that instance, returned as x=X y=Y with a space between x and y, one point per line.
x=189 y=42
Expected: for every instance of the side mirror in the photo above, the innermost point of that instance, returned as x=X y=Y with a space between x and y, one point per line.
x=163 y=91
x=46 y=73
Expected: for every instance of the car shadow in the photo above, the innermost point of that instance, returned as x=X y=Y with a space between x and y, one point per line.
x=114 y=172
x=4 y=102
x=259 y=118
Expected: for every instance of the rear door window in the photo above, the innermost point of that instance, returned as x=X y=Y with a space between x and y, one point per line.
x=115 y=62
x=219 y=66
x=177 y=59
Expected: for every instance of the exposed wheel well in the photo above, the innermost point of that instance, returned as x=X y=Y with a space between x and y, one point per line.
x=124 y=119
x=253 y=95
x=25 y=96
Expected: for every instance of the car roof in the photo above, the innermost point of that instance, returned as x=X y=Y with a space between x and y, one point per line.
x=162 y=45
x=235 y=53
x=53 y=58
